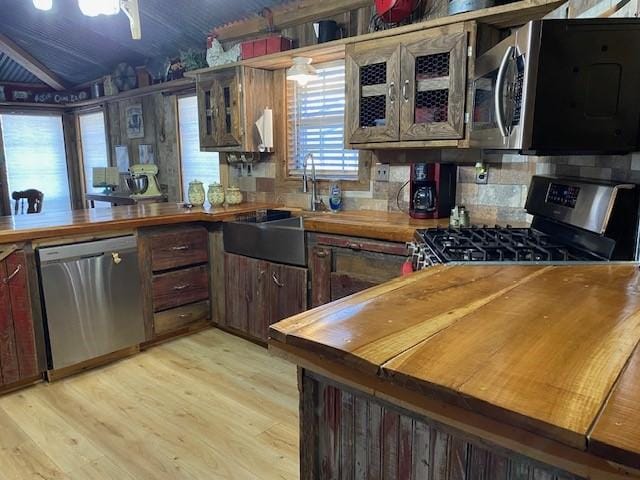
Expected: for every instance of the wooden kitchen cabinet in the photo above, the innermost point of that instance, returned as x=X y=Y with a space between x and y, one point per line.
x=18 y=356
x=340 y=266
x=260 y=293
x=411 y=90
x=174 y=266
x=230 y=101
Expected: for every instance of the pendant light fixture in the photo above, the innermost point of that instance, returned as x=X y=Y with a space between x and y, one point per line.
x=93 y=8
x=43 y=4
x=302 y=71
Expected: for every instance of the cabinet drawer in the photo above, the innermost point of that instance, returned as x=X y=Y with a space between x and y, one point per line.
x=362 y=244
x=180 y=288
x=179 y=248
x=170 y=320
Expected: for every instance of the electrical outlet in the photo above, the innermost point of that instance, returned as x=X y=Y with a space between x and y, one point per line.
x=482 y=174
x=382 y=172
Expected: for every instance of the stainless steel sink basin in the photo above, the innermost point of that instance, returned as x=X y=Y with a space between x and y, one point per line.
x=268 y=237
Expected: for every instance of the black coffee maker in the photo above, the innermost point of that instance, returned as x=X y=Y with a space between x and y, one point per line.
x=432 y=189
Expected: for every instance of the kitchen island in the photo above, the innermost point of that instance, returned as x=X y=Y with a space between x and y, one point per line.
x=510 y=371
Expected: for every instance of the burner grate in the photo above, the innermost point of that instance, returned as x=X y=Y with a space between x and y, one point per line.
x=498 y=244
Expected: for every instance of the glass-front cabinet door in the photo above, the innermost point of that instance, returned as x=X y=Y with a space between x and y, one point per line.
x=207 y=113
x=372 y=102
x=433 y=82
x=228 y=120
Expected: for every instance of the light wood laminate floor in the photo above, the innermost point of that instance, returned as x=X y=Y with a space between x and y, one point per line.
x=208 y=406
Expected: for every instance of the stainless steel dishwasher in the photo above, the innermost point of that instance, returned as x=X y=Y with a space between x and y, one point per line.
x=92 y=299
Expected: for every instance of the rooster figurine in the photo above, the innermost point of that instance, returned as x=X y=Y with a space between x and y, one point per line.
x=216 y=55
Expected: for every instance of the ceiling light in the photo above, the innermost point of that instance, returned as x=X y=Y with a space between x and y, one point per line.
x=93 y=8
x=302 y=71
x=43 y=4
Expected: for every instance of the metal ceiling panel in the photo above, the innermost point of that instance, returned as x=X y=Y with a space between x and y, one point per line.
x=80 y=48
x=12 y=72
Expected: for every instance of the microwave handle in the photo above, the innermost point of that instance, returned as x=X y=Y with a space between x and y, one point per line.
x=497 y=101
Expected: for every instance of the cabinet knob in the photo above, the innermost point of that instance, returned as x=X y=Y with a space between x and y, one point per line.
x=321 y=253
x=354 y=246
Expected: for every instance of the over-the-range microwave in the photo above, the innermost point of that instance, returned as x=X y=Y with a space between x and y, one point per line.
x=560 y=87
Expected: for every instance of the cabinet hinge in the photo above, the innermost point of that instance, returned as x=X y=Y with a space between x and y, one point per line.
x=469 y=51
x=467 y=117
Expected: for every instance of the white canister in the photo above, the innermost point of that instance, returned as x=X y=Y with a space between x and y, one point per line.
x=215 y=194
x=196 y=193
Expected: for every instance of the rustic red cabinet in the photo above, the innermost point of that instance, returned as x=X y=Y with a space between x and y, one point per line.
x=18 y=358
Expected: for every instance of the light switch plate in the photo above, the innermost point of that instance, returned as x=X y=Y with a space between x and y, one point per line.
x=382 y=172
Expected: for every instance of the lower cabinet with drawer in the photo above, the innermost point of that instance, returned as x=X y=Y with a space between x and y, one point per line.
x=340 y=266
x=175 y=265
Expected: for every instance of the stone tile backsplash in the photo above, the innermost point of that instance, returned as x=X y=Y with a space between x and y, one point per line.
x=501 y=200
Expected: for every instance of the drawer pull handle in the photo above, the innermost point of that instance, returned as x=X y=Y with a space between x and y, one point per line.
x=185 y=315
x=276 y=281
x=321 y=253
x=354 y=246
x=180 y=248
x=12 y=276
x=179 y=288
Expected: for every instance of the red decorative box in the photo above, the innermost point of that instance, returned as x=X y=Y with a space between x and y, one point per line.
x=265 y=46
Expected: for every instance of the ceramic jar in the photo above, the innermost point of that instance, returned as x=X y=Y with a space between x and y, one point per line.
x=234 y=196
x=196 y=193
x=215 y=194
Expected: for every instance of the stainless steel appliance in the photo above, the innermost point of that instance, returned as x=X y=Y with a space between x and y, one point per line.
x=92 y=299
x=560 y=86
x=574 y=220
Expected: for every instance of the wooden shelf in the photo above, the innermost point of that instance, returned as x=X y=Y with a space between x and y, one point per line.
x=170 y=86
x=503 y=16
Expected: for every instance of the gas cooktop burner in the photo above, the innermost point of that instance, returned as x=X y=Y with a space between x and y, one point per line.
x=497 y=244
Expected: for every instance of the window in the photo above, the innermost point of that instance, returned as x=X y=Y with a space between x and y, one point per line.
x=35 y=157
x=316 y=124
x=93 y=138
x=203 y=166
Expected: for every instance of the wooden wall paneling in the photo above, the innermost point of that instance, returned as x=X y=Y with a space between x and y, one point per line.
x=349 y=434
x=74 y=163
x=8 y=353
x=308 y=426
x=16 y=265
x=5 y=203
x=167 y=146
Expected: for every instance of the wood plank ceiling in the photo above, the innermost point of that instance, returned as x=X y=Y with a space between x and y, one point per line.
x=79 y=48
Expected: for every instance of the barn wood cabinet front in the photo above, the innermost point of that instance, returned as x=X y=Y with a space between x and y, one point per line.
x=260 y=293
x=408 y=90
x=18 y=355
x=230 y=101
x=340 y=266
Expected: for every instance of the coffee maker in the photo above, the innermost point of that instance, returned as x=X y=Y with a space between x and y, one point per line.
x=432 y=190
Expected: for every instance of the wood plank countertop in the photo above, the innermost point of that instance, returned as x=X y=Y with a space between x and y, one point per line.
x=391 y=226
x=536 y=347
x=57 y=224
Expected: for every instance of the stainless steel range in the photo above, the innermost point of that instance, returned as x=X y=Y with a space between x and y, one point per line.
x=574 y=220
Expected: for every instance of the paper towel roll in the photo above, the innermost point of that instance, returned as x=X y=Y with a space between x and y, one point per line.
x=265 y=128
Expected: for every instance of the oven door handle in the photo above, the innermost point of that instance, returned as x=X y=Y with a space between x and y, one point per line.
x=497 y=101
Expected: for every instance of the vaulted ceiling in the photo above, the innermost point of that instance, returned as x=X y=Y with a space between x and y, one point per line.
x=79 y=48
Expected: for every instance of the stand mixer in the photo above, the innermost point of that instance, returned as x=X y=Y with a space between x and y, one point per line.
x=144 y=181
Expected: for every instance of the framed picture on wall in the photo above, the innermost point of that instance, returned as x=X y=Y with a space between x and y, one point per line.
x=122 y=158
x=135 y=122
x=146 y=154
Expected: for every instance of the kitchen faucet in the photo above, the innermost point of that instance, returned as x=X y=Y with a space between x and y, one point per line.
x=315 y=203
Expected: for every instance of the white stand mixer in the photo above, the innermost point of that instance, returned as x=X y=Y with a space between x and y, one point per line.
x=150 y=172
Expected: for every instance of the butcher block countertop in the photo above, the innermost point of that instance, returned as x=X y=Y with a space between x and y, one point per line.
x=545 y=349
x=57 y=224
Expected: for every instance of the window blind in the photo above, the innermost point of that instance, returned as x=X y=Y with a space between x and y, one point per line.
x=35 y=157
x=316 y=124
x=196 y=165
x=93 y=137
